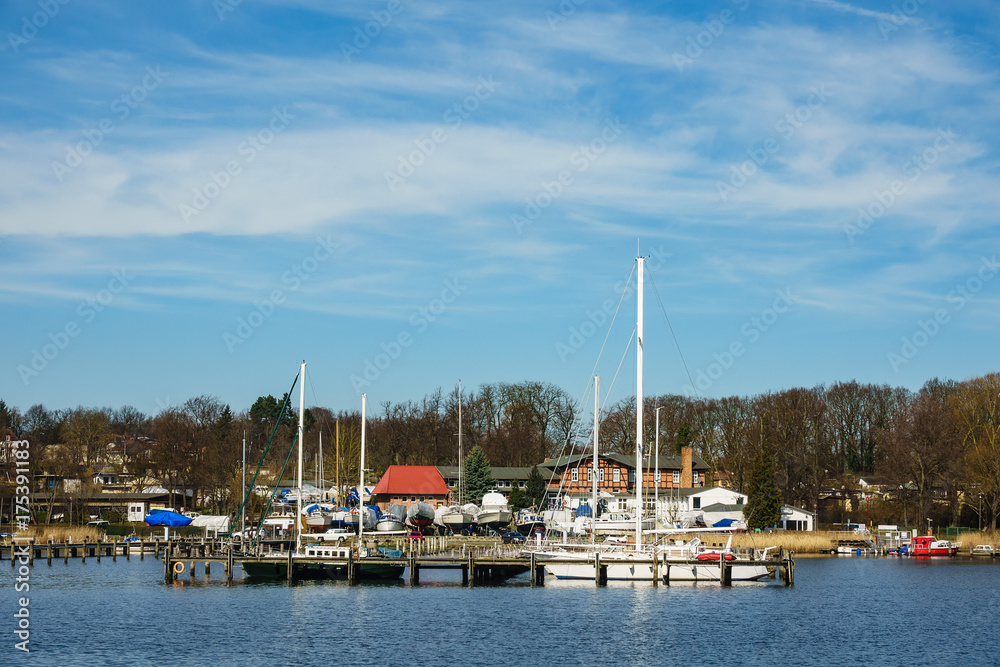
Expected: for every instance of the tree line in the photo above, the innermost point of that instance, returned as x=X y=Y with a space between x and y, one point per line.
x=938 y=448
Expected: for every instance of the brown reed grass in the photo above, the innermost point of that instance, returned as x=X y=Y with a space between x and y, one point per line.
x=76 y=534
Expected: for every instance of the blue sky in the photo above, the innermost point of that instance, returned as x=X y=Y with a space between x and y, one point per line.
x=194 y=196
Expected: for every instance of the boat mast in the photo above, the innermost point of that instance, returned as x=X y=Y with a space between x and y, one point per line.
x=593 y=485
x=298 y=478
x=243 y=516
x=321 y=483
x=361 y=487
x=460 y=494
x=336 y=455
x=638 y=409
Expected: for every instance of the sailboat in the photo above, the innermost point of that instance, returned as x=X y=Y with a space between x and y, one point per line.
x=457 y=518
x=635 y=561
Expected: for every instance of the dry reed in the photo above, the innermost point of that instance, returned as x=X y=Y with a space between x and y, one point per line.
x=76 y=534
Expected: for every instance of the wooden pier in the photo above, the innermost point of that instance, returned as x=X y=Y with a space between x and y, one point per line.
x=185 y=557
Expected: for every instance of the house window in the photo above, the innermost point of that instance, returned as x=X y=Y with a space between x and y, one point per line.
x=656 y=477
x=601 y=475
x=616 y=475
x=574 y=475
x=696 y=503
x=694 y=479
x=631 y=476
x=520 y=485
x=677 y=478
x=739 y=501
x=590 y=474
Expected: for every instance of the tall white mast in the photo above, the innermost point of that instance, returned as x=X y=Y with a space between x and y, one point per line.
x=361 y=486
x=461 y=496
x=593 y=485
x=243 y=514
x=638 y=410
x=298 y=478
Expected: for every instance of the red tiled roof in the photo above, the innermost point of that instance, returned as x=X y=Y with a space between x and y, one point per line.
x=399 y=480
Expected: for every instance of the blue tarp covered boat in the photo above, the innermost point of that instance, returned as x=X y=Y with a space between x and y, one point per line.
x=171 y=519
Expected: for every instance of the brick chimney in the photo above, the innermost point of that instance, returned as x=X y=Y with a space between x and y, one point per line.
x=687 y=467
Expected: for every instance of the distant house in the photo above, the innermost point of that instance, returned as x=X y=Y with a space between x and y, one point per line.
x=796 y=518
x=406 y=485
x=681 y=506
x=572 y=477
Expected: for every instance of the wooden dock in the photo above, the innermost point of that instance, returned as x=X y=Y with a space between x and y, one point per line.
x=183 y=557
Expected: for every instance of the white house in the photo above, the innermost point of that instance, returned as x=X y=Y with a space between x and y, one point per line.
x=682 y=506
x=796 y=518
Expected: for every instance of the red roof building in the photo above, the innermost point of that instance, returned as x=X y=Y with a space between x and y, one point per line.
x=405 y=485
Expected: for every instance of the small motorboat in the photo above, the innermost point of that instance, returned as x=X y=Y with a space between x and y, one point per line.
x=928 y=545
x=983 y=550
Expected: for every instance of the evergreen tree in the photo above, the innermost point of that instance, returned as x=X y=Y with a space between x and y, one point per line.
x=535 y=488
x=763 y=508
x=478 y=476
x=517 y=499
x=683 y=437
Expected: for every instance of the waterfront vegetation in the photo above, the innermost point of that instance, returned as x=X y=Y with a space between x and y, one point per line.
x=936 y=451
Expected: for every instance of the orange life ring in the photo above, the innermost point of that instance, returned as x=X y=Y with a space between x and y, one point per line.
x=178 y=567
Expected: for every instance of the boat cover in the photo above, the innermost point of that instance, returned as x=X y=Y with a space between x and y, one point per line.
x=172 y=519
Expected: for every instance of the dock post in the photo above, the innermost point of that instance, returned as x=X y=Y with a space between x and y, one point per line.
x=789 y=576
x=465 y=574
x=48 y=552
x=114 y=551
x=229 y=566
x=99 y=550
x=168 y=572
x=727 y=572
x=142 y=550
x=208 y=568
x=414 y=571
x=534 y=572
x=656 y=570
x=472 y=570
x=666 y=573
x=83 y=556
x=66 y=551
x=601 y=573
x=291 y=568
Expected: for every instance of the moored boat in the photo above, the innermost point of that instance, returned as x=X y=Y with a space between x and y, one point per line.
x=928 y=545
x=983 y=550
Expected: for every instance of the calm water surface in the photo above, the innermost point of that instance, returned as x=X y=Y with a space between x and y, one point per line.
x=841 y=611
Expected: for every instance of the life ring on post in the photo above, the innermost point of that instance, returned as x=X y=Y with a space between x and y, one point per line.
x=178 y=567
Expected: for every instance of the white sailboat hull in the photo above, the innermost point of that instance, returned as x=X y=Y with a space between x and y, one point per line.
x=639 y=568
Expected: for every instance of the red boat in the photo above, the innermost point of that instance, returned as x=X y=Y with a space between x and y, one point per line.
x=927 y=545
